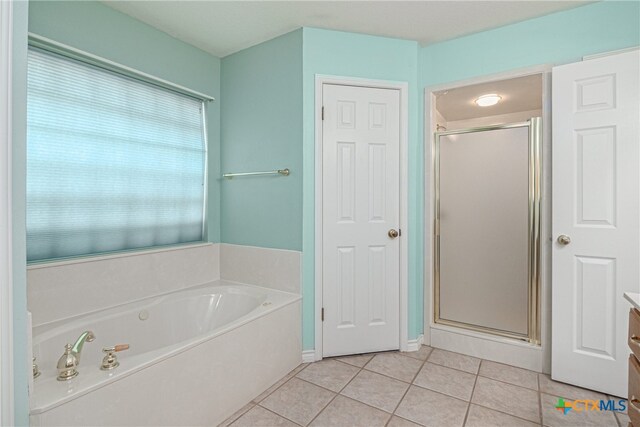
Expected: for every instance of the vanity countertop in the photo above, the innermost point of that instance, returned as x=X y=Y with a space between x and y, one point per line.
x=633 y=298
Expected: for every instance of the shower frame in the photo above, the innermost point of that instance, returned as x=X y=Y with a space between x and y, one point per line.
x=533 y=335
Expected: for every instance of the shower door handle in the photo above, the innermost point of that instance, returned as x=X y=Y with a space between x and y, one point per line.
x=563 y=239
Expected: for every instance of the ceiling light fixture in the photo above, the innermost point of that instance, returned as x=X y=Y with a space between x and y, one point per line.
x=488 y=100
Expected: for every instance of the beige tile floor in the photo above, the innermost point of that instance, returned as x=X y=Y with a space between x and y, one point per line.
x=430 y=387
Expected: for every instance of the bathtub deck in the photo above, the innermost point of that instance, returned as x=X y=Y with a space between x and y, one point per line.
x=428 y=387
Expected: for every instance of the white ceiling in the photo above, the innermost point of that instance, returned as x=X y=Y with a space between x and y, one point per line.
x=225 y=27
x=518 y=94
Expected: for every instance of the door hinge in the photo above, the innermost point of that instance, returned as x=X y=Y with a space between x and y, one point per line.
x=322 y=314
x=322 y=113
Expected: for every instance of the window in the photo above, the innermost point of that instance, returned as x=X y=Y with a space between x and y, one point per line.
x=113 y=163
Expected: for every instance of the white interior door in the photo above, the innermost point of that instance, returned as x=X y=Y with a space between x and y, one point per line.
x=596 y=187
x=360 y=212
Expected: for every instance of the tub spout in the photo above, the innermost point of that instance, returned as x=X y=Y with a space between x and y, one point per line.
x=86 y=336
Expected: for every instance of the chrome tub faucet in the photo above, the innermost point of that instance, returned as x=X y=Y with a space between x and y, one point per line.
x=70 y=360
x=86 y=336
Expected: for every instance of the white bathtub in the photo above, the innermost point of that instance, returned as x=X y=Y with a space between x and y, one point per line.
x=197 y=357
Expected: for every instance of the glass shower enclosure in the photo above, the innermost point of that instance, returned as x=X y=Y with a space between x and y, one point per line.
x=487 y=229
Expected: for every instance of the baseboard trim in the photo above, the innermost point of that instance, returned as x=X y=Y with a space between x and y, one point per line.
x=518 y=354
x=308 y=356
x=414 y=345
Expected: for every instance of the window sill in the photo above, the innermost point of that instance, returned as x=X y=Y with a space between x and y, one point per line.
x=92 y=258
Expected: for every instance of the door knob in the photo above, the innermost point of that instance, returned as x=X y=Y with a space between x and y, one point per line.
x=563 y=239
x=393 y=233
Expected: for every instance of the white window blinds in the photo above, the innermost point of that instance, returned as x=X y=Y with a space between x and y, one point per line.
x=112 y=163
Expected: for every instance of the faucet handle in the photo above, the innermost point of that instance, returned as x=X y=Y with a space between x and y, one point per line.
x=110 y=360
x=36 y=370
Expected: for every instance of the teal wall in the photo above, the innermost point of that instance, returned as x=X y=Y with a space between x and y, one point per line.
x=558 y=38
x=262 y=130
x=103 y=31
x=359 y=56
x=18 y=212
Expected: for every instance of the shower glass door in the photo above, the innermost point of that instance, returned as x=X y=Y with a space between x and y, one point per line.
x=487 y=229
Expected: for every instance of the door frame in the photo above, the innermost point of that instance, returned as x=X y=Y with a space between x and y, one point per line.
x=403 y=88
x=486 y=345
x=6 y=260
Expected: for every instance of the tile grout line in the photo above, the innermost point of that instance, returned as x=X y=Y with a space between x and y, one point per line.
x=393 y=413
x=339 y=393
x=504 y=413
x=478 y=372
x=388 y=376
x=230 y=420
x=405 y=419
x=362 y=368
x=508 y=383
x=564 y=397
x=278 y=415
x=473 y=390
x=511 y=384
x=618 y=420
x=349 y=364
x=385 y=375
x=455 y=369
x=280 y=386
x=276 y=389
x=336 y=394
x=444 y=394
x=575 y=397
x=539 y=399
x=498 y=410
x=254 y=403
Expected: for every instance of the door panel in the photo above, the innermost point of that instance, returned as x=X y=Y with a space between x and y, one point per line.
x=360 y=268
x=596 y=189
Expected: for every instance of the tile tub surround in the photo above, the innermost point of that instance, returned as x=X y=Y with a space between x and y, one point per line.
x=55 y=289
x=107 y=281
x=272 y=268
x=430 y=387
